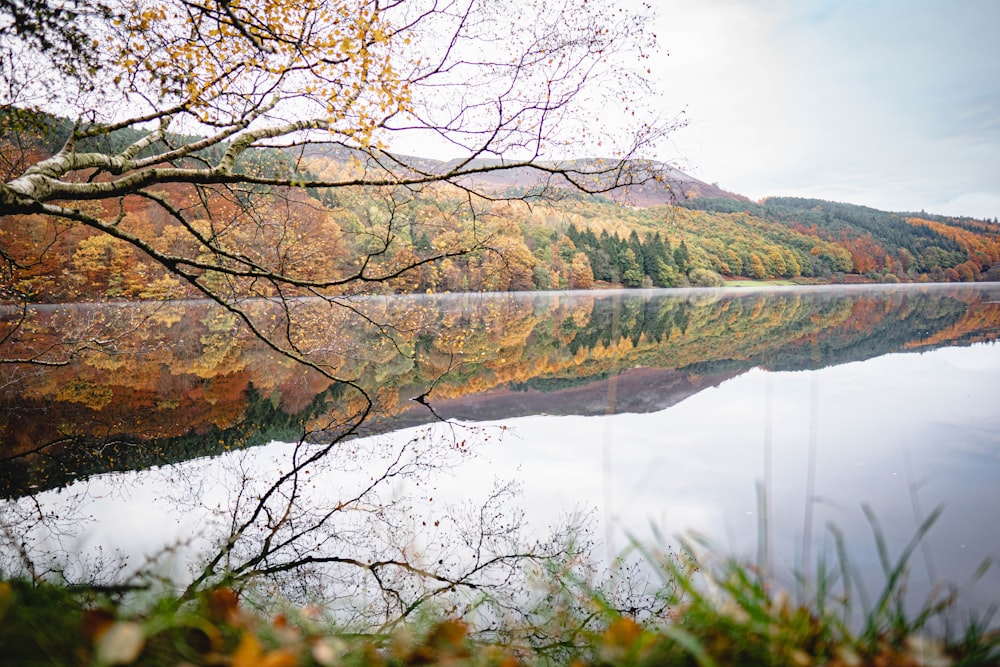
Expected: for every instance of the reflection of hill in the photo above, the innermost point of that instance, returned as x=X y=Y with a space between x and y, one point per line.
x=635 y=390
x=876 y=325
x=58 y=462
x=177 y=381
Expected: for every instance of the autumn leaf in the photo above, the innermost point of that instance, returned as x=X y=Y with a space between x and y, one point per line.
x=120 y=644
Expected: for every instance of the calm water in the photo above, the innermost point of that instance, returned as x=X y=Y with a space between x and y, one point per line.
x=645 y=413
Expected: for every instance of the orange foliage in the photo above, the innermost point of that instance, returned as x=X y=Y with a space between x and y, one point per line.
x=982 y=248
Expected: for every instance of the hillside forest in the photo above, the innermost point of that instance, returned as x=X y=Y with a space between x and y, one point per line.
x=525 y=237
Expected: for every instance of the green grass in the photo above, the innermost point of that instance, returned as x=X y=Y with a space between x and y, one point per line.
x=710 y=611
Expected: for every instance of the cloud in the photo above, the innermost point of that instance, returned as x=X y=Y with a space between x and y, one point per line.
x=895 y=104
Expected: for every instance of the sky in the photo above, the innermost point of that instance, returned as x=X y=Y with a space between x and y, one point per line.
x=893 y=104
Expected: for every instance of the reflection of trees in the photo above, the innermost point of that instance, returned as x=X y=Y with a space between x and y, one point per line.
x=353 y=523
x=870 y=325
x=150 y=394
x=59 y=462
x=781 y=330
x=357 y=526
x=196 y=385
x=387 y=552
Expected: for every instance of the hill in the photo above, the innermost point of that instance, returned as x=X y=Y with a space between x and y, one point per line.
x=654 y=184
x=671 y=186
x=907 y=245
x=530 y=231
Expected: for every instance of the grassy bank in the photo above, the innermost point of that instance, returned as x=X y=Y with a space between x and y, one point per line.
x=716 y=611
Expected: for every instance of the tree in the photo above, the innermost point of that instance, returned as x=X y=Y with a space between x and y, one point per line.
x=682 y=256
x=198 y=88
x=631 y=271
x=581 y=275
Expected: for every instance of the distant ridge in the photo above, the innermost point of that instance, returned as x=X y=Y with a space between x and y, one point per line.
x=672 y=187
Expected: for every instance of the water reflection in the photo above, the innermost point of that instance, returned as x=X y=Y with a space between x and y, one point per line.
x=170 y=382
x=656 y=409
x=903 y=433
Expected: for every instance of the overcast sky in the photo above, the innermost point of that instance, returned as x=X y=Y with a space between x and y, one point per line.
x=889 y=103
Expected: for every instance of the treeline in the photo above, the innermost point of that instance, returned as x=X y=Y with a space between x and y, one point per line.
x=632 y=261
x=575 y=242
x=884 y=245
x=572 y=244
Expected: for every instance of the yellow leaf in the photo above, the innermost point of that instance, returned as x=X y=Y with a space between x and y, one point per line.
x=247 y=653
x=279 y=658
x=121 y=644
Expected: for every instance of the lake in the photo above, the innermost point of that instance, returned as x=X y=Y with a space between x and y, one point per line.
x=162 y=442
